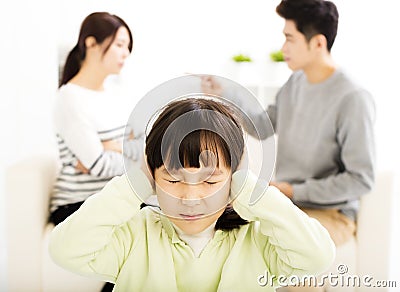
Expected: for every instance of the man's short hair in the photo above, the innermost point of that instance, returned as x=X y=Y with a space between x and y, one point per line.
x=312 y=17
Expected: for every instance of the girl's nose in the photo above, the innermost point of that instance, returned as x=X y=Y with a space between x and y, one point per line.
x=191 y=195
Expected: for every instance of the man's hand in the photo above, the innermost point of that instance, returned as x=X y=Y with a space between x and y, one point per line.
x=285 y=187
x=210 y=86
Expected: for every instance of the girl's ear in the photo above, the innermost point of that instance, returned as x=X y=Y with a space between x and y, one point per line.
x=90 y=42
x=232 y=196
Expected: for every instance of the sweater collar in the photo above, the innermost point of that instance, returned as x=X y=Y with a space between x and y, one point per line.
x=173 y=235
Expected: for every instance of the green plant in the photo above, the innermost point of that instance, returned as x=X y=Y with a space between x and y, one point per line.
x=241 y=58
x=277 y=56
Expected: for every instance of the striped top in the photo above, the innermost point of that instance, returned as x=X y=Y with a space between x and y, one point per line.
x=83 y=119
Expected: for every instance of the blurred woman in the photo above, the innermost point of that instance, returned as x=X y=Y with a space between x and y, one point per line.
x=90 y=116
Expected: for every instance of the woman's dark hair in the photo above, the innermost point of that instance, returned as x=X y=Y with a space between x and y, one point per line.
x=100 y=25
x=312 y=17
x=211 y=126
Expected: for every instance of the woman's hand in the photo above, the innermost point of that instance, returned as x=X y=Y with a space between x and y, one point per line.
x=116 y=145
x=80 y=167
x=112 y=145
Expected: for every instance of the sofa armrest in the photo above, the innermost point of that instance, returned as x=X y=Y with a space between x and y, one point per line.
x=28 y=185
x=375 y=225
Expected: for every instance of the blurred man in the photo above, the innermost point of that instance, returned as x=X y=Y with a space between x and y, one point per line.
x=324 y=122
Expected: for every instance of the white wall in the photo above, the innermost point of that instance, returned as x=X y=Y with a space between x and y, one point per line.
x=173 y=37
x=27 y=84
x=176 y=36
x=368 y=47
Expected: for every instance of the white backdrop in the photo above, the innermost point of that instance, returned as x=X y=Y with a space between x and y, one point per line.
x=173 y=37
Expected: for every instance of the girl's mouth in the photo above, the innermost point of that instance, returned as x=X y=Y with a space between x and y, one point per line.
x=191 y=217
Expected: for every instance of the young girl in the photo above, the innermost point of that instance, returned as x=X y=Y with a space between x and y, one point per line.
x=205 y=236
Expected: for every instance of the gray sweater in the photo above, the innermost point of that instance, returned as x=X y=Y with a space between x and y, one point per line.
x=326 y=146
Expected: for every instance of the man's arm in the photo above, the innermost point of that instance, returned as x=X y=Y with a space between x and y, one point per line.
x=255 y=119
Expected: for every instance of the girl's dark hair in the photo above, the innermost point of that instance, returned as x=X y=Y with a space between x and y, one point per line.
x=100 y=25
x=212 y=126
x=312 y=17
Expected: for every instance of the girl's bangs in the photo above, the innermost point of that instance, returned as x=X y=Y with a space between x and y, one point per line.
x=199 y=148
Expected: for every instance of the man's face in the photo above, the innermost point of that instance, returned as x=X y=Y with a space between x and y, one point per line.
x=296 y=50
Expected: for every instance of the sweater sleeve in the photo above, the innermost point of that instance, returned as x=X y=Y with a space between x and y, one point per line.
x=81 y=137
x=254 y=117
x=355 y=136
x=271 y=110
x=96 y=239
x=291 y=242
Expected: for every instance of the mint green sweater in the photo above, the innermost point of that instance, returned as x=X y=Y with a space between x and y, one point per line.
x=111 y=239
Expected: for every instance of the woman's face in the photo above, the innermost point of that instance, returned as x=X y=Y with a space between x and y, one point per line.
x=193 y=198
x=114 y=58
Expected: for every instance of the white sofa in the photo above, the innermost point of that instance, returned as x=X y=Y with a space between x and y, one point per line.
x=28 y=183
x=29 y=267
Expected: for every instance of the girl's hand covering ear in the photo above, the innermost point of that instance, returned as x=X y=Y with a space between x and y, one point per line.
x=239 y=180
x=244 y=161
x=141 y=180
